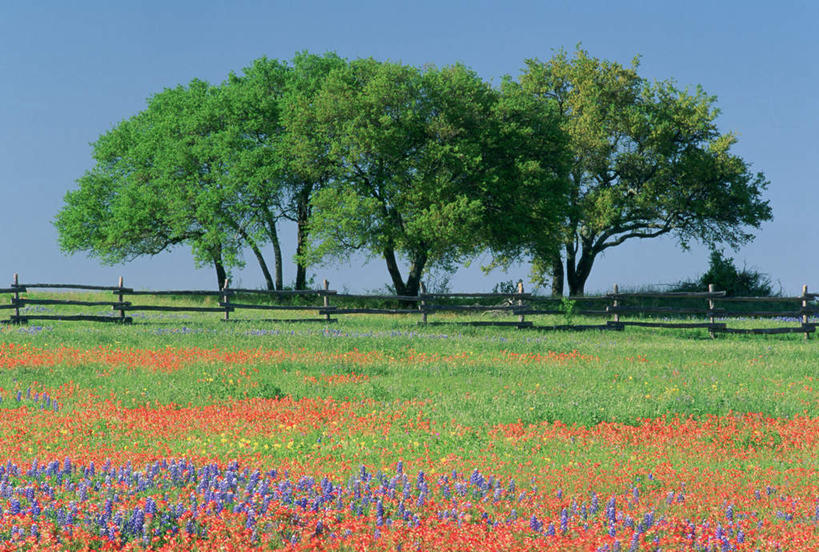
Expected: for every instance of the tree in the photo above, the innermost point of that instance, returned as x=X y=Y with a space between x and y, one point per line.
x=201 y=165
x=121 y=211
x=429 y=168
x=159 y=181
x=647 y=160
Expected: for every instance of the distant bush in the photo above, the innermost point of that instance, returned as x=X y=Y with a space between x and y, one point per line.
x=723 y=273
x=506 y=286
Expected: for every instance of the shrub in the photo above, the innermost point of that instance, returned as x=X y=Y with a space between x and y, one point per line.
x=723 y=273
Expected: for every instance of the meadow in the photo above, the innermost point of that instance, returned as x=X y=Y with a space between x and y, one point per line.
x=181 y=432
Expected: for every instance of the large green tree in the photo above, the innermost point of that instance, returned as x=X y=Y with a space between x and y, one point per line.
x=164 y=177
x=647 y=160
x=215 y=167
x=432 y=166
x=131 y=203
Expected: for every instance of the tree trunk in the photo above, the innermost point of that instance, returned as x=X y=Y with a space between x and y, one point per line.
x=302 y=220
x=395 y=273
x=413 y=283
x=576 y=286
x=557 y=276
x=221 y=273
x=571 y=270
x=579 y=273
x=277 y=258
x=277 y=250
x=256 y=251
x=262 y=264
x=301 y=274
x=415 y=273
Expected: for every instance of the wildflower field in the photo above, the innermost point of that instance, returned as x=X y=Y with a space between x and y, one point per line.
x=377 y=434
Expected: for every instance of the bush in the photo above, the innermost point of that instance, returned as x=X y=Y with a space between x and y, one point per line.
x=726 y=277
x=507 y=286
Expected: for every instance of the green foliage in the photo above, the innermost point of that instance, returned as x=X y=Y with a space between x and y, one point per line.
x=157 y=183
x=723 y=273
x=201 y=165
x=568 y=308
x=505 y=286
x=647 y=160
x=429 y=166
x=432 y=166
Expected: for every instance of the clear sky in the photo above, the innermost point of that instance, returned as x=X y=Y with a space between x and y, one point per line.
x=72 y=70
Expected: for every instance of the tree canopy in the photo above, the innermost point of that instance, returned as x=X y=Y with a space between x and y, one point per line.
x=423 y=167
x=138 y=199
x=433 y=165
x=647 y=160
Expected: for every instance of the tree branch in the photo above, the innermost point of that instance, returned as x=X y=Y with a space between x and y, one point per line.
x=635 y=234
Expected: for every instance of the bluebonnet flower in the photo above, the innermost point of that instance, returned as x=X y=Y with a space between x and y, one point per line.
x=611 y=510
x=648 y=521
x=635 y=543
x=379 y=513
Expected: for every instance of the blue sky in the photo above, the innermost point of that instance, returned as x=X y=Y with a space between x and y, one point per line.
x=72 y=70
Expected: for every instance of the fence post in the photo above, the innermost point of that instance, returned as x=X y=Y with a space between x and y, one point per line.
x=16 y=299
x=804 y=310
x=521 y=316
x=711 y=310
x=422 y=304
x=226 y=299
x=616 y=303
x=326 y=301
x=120 y=299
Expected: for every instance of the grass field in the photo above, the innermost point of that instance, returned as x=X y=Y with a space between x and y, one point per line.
x=182 y=432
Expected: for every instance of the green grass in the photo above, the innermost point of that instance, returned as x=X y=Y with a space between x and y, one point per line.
x=625 y=376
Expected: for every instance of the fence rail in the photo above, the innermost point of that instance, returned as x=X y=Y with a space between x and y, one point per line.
x=520 y=304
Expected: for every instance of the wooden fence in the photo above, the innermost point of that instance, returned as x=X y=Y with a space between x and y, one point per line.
x=677 y=309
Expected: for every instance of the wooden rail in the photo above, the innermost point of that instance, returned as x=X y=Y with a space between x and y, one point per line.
x=711 y=310
x=714 y=306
